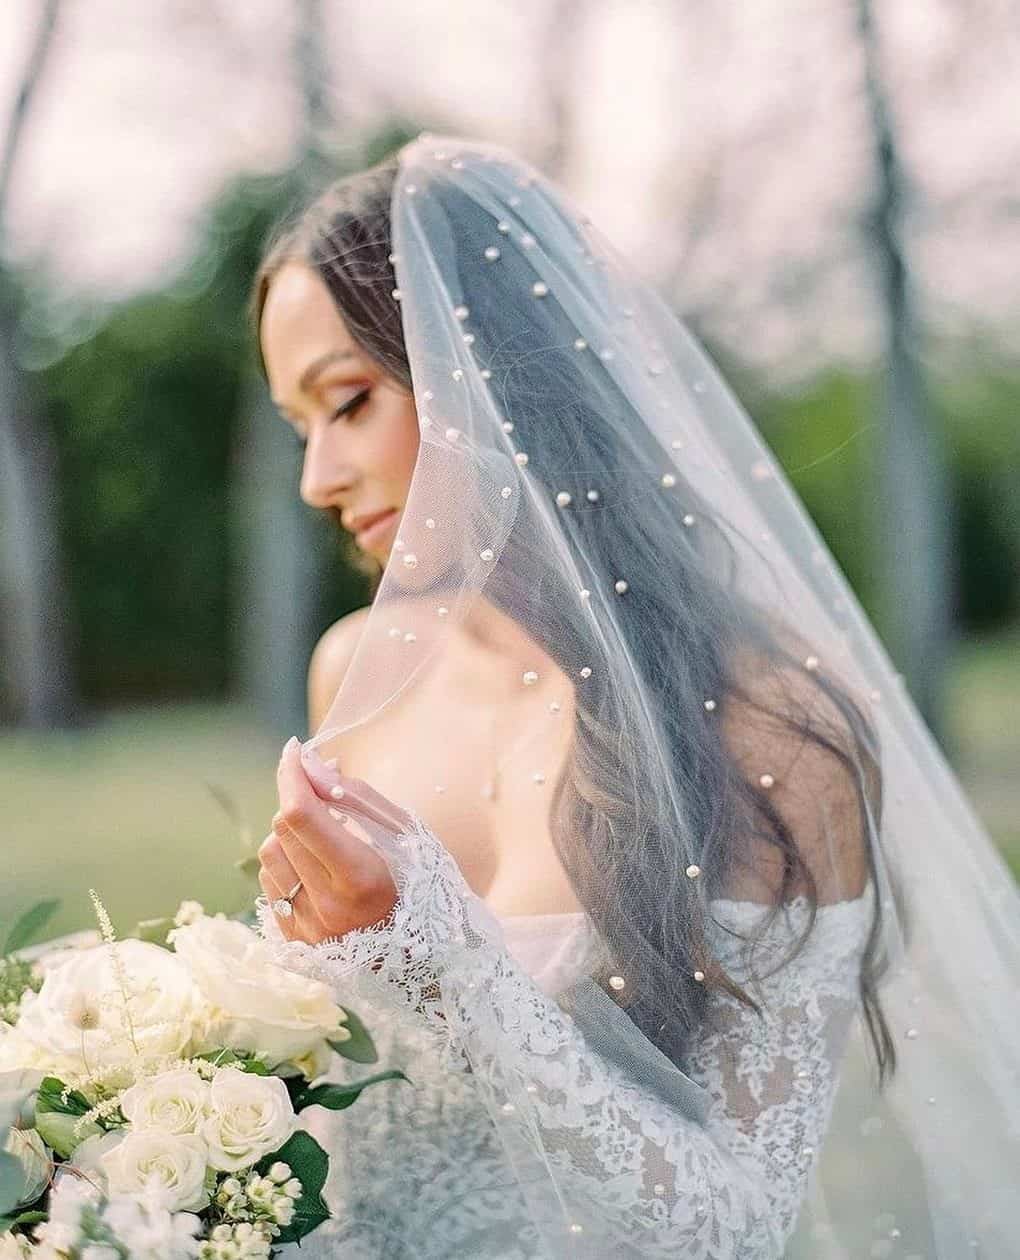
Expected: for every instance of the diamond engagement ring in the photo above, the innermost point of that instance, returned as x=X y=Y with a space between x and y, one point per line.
x=284 y=906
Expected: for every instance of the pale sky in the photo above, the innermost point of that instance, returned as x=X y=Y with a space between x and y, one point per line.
x=752 y=113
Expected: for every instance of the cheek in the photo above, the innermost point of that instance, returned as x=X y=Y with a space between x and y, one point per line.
x=398 y=447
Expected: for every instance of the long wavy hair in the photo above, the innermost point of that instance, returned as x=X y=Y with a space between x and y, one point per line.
x=703 y=640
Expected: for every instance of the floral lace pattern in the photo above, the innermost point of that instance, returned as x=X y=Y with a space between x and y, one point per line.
x=519 y=1141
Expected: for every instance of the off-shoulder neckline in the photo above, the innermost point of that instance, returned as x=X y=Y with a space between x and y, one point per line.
x=796 y=904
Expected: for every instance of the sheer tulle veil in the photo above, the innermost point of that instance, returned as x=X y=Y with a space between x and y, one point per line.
x=585 y=471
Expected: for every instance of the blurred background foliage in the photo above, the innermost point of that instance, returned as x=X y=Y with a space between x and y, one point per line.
x=172 y=482
x=145 y=412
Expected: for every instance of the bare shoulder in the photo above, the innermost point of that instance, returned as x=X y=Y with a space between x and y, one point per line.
x=329 y=661
x=801 y=739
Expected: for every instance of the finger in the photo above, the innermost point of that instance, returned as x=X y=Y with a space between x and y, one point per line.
x=274 y=860
x=305 y=814
x=284 y=843
x=273 y=893
x=329 y=784
x=304 y=923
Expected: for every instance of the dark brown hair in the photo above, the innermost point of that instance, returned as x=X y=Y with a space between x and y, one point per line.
x=704 y=641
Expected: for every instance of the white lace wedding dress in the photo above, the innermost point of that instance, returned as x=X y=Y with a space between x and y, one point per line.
x=708 y=1164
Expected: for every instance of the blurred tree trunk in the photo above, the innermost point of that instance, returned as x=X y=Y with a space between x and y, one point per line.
x=282 y=571
x=279 y=570
x=37 y=666
x=914 y=545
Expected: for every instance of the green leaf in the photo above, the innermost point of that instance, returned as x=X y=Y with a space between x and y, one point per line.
x=310 y=1164
x=359 y=1047
x=29 y=1218
x=338 y=1097
x=50 y=1098
x=12 y=1179
x=230 y=1058
x=16 y=1087
x=29 y=926
x=57 y=1130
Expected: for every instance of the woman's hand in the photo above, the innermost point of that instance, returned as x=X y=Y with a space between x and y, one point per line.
x=323 y=835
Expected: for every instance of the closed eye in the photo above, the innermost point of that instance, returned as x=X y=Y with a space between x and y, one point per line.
x=352 y=404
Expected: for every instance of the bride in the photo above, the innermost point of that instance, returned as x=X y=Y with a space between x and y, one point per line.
x=616 y=827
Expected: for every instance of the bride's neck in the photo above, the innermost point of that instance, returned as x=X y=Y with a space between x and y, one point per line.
x=490 y=630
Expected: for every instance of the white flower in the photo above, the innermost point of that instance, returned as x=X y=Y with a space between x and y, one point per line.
x=261 y=1007
x=14 y=1247
x=29 y=1149
x=176 y=1102
x=87 y=1158
x=63 y=1231
x=188 y=912
x=148 y=1231
x=171 y=1166
x=162 y=1003
x=250 y=1116
x=18 y=1052
x=317 y=1061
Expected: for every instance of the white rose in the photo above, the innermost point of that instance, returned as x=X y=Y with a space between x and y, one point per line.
x=19 y=1052
x=172 y=1164
x=250 y=1116
x=163 y=1005
x=88 y=1158
x=30 y=1151
x=15 y=1247
x=261 y=1007
x=175 y=1101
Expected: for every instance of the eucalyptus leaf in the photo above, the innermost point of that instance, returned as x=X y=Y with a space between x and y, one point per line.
x=310 y=1164
x=16 y=1088
x=29 y=925
x=337 y=1097
x=12 y=1179
x=359 y=1047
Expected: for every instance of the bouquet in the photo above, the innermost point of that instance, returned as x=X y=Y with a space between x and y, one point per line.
x=150 y=1091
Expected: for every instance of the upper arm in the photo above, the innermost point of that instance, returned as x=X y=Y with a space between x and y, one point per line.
x=328 y=664
x=787 y=726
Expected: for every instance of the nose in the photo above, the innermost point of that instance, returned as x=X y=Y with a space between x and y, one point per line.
x=325 y=478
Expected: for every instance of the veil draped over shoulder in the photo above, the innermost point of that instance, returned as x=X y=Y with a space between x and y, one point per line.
x=790 y=1025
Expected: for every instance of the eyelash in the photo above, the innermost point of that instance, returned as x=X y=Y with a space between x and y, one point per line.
x=352 y=404
x=348 y=409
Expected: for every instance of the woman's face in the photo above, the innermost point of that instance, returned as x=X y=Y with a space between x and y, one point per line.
x=358 y=424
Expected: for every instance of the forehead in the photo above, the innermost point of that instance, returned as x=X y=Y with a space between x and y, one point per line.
x=299 y=322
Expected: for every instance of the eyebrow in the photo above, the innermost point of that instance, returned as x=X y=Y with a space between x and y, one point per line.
x=317 y=365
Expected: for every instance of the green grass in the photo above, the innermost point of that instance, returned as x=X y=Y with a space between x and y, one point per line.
x=984 y=734
x=124 y=808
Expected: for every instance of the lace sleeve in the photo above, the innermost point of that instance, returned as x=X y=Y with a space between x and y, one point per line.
x=608 y=1160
